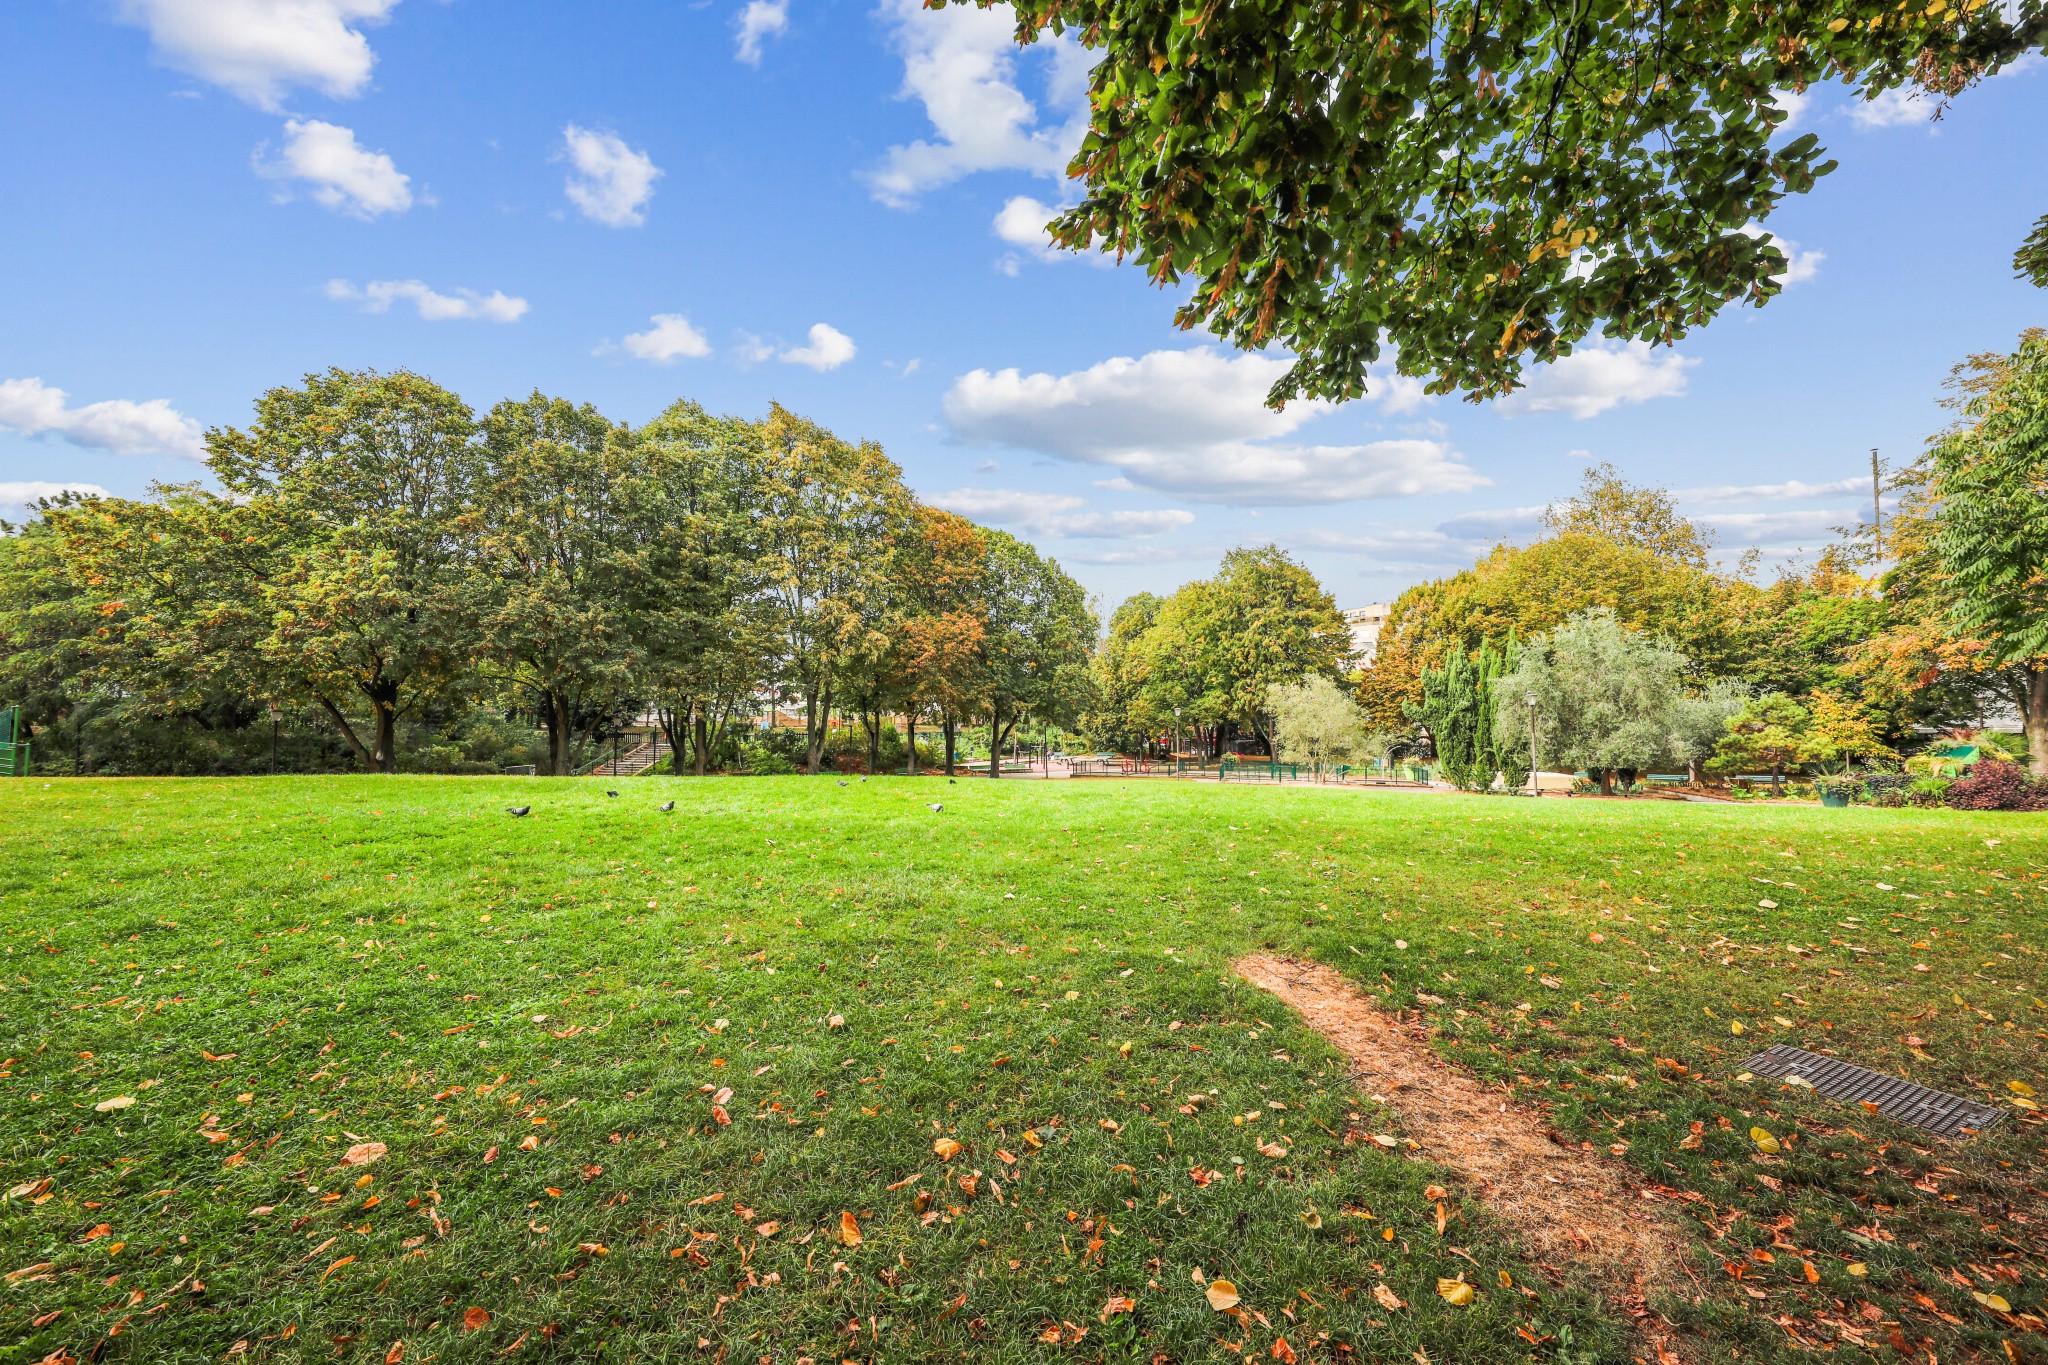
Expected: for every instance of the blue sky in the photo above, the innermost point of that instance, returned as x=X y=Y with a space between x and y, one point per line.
x=835 y=206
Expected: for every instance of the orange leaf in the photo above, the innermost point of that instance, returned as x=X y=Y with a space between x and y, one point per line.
x=363 y=1153
x=475 y=1318
x=849 y=1230
x=395 y=1354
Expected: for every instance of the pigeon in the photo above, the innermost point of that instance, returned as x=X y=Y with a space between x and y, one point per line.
x=611 y=793
x=516 y=811
x=952 y=781
x=842 y=781
x=934 y=805
x=667 y=805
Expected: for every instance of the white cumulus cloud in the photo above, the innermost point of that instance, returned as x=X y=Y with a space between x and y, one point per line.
x=1597 y=377
x=759 y=21
x=610 y=181
x=961 y=63
x=1800 y=265
x=1793 y=103
x=669 y=339
x=1790 y=491
x=463 y=305
x=118 y=425
x=340 y=172
x=1194 y=423
x=1059 y=515
x=257 y=49
x=14 y=496
x=829 y=349
x=1892 y=109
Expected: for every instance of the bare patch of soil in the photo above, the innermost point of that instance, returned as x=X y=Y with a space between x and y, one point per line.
x=1576 y=1210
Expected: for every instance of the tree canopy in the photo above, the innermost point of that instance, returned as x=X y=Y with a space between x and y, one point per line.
x=1476 y=186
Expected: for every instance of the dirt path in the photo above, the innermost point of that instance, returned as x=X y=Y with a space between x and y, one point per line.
x=1581 y=1213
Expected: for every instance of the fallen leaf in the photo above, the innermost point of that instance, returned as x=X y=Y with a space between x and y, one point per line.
x=1858 y=1269
x=946 y=1148
x=1455 y=1292
x=363 y=1153
x=1118 y=1304
x=1387 y=1298
x=475 y=1318
x=118 y=1102
x=849 y=1230
x=1995 y=1302
x=395 y=1354
x=1222 y=1295
x=1764 y=1141
x=1282 y=1352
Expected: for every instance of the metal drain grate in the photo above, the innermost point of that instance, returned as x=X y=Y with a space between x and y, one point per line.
x=1935 y=1110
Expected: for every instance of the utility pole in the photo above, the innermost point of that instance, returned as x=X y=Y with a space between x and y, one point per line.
x=1876 y=504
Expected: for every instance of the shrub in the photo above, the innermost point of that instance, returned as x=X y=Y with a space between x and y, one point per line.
x=1879 y=783
x=763 y=761
x=1929 y=791
x=1995 y=784
x=1891 y=800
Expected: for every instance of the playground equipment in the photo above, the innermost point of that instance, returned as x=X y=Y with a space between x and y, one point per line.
x=14 y=757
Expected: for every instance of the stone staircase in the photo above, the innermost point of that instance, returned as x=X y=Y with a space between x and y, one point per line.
x=634 y=761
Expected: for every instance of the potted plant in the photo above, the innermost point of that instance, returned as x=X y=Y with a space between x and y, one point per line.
x=1838 y=791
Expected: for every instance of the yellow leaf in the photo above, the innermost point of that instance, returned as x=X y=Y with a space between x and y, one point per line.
x=1763 y=1140
x=946 y=1148
x=1454 y=1292
x=849 y=1230
x=1735 y=1026
x=1837 y=25
x=2020 y=1088
x=1995 y=1302
x=118 y=1102
x=1222 y=1295
x=1858 y=1269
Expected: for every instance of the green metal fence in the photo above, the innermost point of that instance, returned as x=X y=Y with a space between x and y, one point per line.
x=14 y=757
x=1260 y=770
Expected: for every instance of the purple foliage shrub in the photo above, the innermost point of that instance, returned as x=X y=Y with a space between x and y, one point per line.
x=1994 y=784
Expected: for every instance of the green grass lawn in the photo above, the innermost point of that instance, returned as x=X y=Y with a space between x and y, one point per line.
x=538 y=1017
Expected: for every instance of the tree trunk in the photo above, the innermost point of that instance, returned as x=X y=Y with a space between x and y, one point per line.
x=1693 y=775
x=871 y=721
x=997 y=733
x=949 y=726
x=2034 y=721
x=348 y=732
x=814 y=731
x=671 y=730
x=1777 y=779
x=910 y=724
x=700 y=740
x=555 y=707
x=384 y=712
x=1606 y=781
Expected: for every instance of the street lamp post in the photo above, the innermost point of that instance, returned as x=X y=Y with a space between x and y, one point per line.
x=1535 y=789
x=1173 y=759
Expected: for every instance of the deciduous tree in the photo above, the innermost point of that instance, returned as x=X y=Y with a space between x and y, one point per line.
x=1476 y=186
